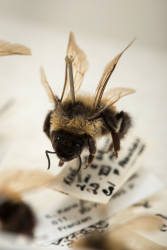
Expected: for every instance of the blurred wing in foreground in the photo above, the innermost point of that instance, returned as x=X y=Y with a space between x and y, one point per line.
x=21 y=181
x=7 y=48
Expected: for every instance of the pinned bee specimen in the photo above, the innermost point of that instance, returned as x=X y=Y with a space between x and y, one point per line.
x=77 y=121
x=15 y=215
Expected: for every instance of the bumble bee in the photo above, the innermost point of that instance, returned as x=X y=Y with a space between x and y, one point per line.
x=78 y=120
x=16 y=216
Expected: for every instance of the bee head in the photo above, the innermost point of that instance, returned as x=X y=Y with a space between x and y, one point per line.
x=67 y=145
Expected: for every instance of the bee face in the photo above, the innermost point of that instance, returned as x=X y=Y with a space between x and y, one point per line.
x=67 y=145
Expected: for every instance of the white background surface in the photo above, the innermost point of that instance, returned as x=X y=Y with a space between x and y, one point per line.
x=102 y=29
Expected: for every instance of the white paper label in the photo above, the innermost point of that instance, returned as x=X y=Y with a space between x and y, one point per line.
x=105 y=176
x=70 y=217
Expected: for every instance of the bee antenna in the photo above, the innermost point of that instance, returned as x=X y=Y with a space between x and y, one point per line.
x=47 y=155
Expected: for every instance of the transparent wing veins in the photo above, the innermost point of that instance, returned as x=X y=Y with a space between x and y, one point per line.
x=48 y=89
x=105 y=77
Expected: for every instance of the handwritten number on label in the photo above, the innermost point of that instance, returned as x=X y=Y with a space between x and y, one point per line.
x=109 y=191
x=93 y=188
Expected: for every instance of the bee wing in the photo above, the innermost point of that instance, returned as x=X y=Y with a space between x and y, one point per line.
x=53 y=98
x=114 y=94
x=111 y=97
x=79 y=66
x=21 y=181
x=105 y=77
x=7 y=48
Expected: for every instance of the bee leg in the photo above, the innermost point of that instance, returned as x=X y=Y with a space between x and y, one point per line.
x=110 y=123
x=78 y=172
x=125 y=123
x=79 y=168
x=92 y=150
x=46 y=126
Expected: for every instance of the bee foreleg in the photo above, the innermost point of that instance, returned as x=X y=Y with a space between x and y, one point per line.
x=92 y=150
x=115 y=135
